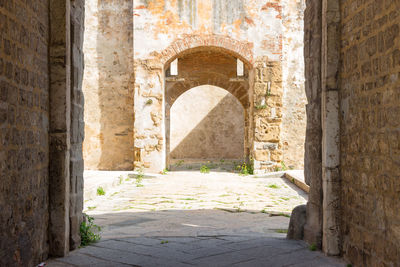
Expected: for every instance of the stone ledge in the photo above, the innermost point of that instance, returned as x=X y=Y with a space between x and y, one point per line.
x=297 y=178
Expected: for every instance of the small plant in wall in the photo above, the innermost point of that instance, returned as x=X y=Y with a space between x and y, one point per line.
x=282 y=167
x=243 y=169
x=258 y=107
x=89 y=231
x=149 y=102
x=246 y=169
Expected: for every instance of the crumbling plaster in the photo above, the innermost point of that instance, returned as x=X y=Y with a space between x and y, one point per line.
x=249 y=30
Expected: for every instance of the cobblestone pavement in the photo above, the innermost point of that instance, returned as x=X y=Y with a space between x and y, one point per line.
x=194 y=190
x=193 y=219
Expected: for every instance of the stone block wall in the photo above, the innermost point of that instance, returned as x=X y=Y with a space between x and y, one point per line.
x=370 y=136
x=267 y=105
x=24 y=126
x=108 y=85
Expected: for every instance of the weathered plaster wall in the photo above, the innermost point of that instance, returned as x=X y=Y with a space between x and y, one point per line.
x=370 y=136
x=266 y=35
x=24 y=127
x=207 y=122
x=108 y=85
x=294 y=95
x=251 y=30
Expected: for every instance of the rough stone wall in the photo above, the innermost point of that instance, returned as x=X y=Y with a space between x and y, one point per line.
x=370 y=136
x=108 y=85
x=207 y=122
x=24 y=125
x=267 y=106
x=294 y=97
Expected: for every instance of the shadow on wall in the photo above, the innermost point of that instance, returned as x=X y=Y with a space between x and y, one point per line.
x=207 y=122
x=115 y=93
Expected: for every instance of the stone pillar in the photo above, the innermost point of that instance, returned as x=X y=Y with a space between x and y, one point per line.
x=330 y=127
x=60 y=119
x=77 y=121
x=267 y=116
x=149 y=124
x=313 y=143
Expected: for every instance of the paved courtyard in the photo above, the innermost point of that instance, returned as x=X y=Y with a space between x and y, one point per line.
x=193 y=219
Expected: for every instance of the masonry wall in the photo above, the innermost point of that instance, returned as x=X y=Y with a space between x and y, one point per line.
x=120 y=75
x=207 y=122
x=108 y=85
x=370 y=133
x=24 y=126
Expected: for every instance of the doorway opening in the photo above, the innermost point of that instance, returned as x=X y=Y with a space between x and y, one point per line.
x=206 y=127
x=207 y=109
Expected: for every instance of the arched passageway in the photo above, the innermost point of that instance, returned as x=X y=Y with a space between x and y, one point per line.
x=206 y=124
x=219 y=127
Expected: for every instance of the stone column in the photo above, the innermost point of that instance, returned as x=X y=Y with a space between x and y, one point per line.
x=77 y=121
x=313 y=143
x=60 y=119
x=330 y=127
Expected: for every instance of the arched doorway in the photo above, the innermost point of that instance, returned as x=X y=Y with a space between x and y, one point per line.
x=206 y=125
x=213 y=67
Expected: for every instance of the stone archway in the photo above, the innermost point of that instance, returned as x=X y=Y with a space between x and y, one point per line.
x=207 y=66
x=206 y=125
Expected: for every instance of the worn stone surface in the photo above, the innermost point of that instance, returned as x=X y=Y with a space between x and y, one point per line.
x=313 y=142
x=370 y=135
x=297 y=222
x=192 y=190
x=77 y=121
x=24 y=127
x=207 y=122
x=194 y=238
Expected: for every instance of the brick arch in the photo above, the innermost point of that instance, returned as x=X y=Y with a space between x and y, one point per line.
x=192 y=43
x=238 y=89
x=207 y=67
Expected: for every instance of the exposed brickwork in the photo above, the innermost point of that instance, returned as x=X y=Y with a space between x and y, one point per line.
x=240 y=49
x=370 y=136
x=24 y=122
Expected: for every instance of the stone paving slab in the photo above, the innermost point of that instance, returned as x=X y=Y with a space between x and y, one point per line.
x=193 y=191
x=185 y=219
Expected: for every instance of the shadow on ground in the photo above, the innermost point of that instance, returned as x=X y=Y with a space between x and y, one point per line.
x=194 y=238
